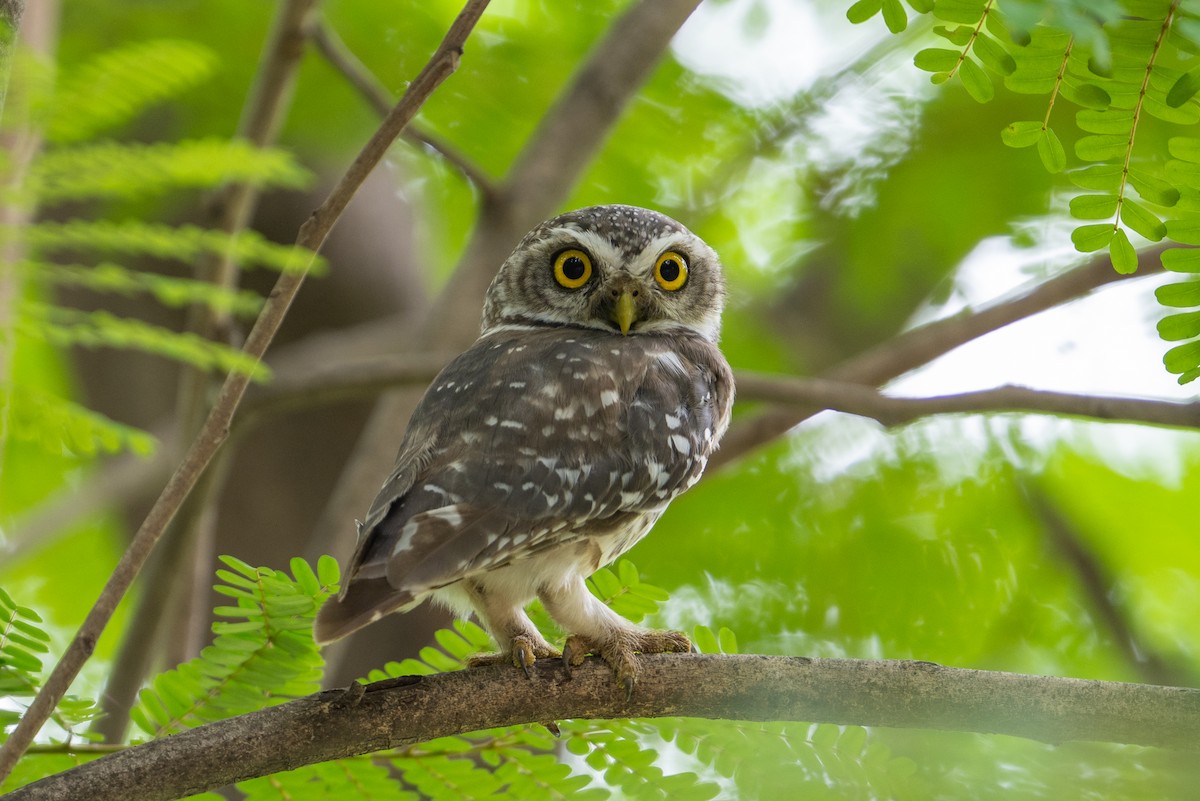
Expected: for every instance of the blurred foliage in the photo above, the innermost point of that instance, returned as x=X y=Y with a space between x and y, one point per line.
x=843 y=206
x=106 y=92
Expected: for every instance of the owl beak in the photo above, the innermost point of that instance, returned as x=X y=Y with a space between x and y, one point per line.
x=624 y=311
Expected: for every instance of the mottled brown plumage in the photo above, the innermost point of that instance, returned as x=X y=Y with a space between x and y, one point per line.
x=554 y=443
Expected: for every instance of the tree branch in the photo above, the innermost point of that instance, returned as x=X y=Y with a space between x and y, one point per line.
x=342 y=59
x=892 y=411
x=912 y=349
x=216 y=427
x=400 y=712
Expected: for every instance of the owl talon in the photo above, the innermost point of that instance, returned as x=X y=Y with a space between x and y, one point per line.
x=620 y=652
x=574 y=651
x=524 y=653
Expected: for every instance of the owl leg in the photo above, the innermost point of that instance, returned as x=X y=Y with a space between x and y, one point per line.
x=596 y=629
x=520 y=642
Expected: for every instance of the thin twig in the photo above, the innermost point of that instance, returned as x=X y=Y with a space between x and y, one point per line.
x=216 y=428
x=342 y=59
x=400 y=712
x=891 y=410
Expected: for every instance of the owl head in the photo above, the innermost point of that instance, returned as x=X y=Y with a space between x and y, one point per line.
x=621 y=269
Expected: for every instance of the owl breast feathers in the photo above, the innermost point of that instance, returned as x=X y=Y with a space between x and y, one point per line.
x=594 y=396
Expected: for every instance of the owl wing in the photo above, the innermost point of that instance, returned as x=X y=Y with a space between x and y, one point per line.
x=529 y=440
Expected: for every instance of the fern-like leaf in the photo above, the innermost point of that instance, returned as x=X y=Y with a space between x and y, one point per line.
x=129 y=170
x=263 y=653
x=57 y=425
x=120 y=83
x=99 y=328
x=168 y=290
x=184 y=243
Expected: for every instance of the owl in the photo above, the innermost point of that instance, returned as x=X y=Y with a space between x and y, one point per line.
x=593 y=397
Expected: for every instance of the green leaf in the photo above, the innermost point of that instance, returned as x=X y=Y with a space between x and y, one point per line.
x=328 y=571
x=1110 y=121
x=1098 y=177
x=607 y=585
x=1051 y=152
x=304 y=576
x=960 y=35
x=1176 y=327
x=1124 y=257
x=1142 y=220
x=863 y=10
x=1182 y=295
x=1189 y=376
x=1184 y=89
x=1088 y=95
x=1184 y=148
x=1184 y=231
x=1152 y=188
x=894 y=16
x=1183 y=173
x=1090 y=238
x=976 y=81
x=993 y=55
x=921 y=6
x=1181 y=260
x=704 y=639
x=964 y=12
x=1188 y=114
x=1093 y=207
x=936 y=59
x=1024 y=133
x=627 y=573
x=1101 y=147
x=1182 y=358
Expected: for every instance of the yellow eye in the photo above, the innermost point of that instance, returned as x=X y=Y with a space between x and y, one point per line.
x=572 y=268
x=671 y=271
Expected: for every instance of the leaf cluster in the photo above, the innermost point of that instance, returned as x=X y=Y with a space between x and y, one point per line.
x=84 y=183
x=263 y=652
x=22 y=642
x=1129 y=70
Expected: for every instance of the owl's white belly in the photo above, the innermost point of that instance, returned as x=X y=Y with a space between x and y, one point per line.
x=548 y=570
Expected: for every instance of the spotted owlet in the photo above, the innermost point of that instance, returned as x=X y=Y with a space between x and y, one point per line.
x=594 y=396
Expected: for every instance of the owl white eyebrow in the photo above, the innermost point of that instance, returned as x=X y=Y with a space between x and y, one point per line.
x=601 y=249
x=643 y=263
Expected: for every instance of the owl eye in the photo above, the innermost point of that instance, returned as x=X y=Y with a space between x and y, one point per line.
x=671 y=271
x=572 y=268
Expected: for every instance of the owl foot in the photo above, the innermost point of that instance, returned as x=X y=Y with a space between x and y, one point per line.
x=620 y=649
x=524 y=653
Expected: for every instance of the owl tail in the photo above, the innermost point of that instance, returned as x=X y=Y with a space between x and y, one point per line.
x=364 y=602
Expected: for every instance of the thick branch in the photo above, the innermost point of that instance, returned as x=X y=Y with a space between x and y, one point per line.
x=399 y=712
x=216 y=426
